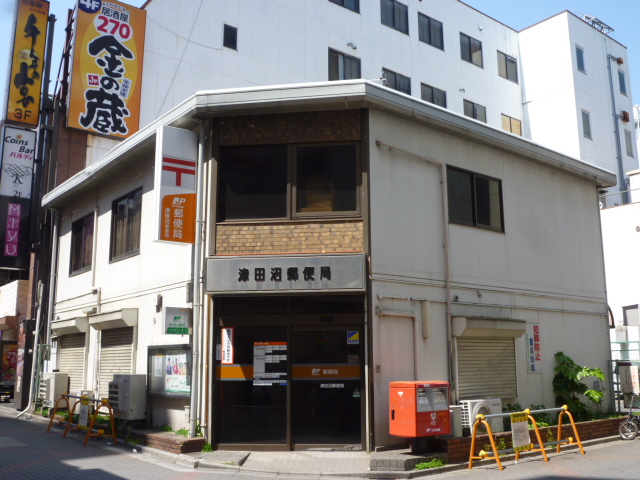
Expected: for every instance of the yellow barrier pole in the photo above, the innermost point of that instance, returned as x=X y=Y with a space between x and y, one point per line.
x=70 y=420
x=483 y=455
x=540 y=442
x=55 y=410
x=103 y=403
x=573 y=426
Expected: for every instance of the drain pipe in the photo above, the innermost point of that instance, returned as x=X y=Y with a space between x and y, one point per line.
x=197 y=268
x=621 y=181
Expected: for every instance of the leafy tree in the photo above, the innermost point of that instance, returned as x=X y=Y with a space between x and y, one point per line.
x=568 y=386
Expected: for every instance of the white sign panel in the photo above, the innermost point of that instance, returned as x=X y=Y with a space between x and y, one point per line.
x=227 y=346
x=177 y=321
x=18 y=152
x=534 y=356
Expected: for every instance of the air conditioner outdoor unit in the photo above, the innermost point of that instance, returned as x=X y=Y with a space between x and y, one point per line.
x=128 y=396
x=52 y=386
x=486 y=406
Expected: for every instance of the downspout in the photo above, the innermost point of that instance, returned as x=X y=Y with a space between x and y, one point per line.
x=196 y=273
x=621 y=182
x=447 y=266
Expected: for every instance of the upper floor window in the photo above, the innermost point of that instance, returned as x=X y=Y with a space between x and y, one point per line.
x=586 y=124
x=433 y=95
x=507 y=67
x=396 y=81
x=430 y=31
x=475 y=110
x=628 y=141
x=350 y=4
x=395 y=15
x=280 y=181
x=471 y=49
x=622 y=82
x=230 y=37
x=81 y=244
x=343 y=66
x=512 y=125
x=580 y=59
x=126 y=218
x=474 y=200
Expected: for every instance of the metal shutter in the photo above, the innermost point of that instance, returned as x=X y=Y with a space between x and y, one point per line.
x=486 y=368
x=72 y=357
x=115 y=356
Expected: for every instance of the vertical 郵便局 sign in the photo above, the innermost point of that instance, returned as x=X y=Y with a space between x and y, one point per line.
x=106 y=75
x=18 y=150
x=27 y=62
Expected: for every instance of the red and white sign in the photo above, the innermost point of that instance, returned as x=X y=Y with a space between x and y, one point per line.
x=176 y=162
x=227 y=346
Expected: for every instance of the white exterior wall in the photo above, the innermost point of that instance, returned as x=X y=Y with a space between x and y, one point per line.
x=134 y=282
x=284 y=41
x=556 y=93
x=535 y=271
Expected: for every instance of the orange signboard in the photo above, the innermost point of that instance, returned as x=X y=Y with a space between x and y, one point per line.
x=27 y=62
x=107 y=68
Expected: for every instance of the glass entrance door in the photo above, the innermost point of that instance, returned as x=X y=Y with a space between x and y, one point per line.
x=326 y=386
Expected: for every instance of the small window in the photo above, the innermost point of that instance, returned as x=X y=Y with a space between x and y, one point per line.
x=353 y=5
x=126 y=219
x=471 y=49
x=586 y=124
x=395 y=15
x=343 y=66
x=622 y=82
x=230 y=38
x=507 y=67
x=81 y=244
x=430 y=31
x=396 y=81
x=433 y=95
x=474 y=200
x=476 y=111
x=580 y=59
x=511 y=125
x=628 y=141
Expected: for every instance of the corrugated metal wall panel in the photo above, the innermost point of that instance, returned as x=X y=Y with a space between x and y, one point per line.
x=72 y=355
x=486 y=368
x=115 y=356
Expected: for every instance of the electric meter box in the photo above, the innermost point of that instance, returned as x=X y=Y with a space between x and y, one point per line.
x=419 y=409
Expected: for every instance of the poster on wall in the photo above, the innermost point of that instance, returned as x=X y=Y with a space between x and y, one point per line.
x=9 y=362
x=170 y=370
x=27 y=62
x=106 y=76
x=269 y=363
x=534 y=356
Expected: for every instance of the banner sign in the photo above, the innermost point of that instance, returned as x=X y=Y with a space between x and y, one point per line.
x=534 y=357
x=175 y=184
x=520 y=432
x=27 y=62
x=107 y=68
x=18 y=151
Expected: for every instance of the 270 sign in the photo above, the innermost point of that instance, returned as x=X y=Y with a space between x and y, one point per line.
x=112 y=26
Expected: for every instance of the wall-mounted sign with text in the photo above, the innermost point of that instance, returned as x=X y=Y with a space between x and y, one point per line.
x=177 y=321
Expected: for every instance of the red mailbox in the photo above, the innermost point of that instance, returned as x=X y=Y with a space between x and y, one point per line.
x=419 y=409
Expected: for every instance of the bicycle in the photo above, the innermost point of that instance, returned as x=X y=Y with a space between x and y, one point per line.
x=629 y=428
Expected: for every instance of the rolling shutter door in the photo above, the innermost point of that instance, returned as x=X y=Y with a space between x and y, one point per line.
x=115 y=355
x=486 y=368
x=72 y=360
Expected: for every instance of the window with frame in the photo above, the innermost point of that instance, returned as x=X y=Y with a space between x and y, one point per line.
x=126 y=219
x=586 y=124
x=279 y=181
x=81 y=244
x=475 y=110
x=395 y=15
x=230 y=37
x=628 y=141
x=353 y=5
x=580 y=59
x=471 y=50
x=622 y=81
x=512 y=125
x=343 y=66
x=474 y=200
x=430 y=31
x=433 y=95
x=507 y=67
x=397 y=81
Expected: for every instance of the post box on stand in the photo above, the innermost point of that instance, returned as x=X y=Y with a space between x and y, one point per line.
x=419 y=409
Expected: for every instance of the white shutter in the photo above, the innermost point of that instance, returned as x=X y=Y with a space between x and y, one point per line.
x=72 y=357
x=116 y=349
x=486 y=368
